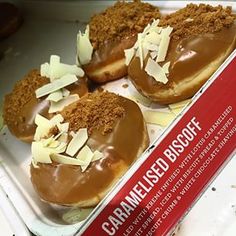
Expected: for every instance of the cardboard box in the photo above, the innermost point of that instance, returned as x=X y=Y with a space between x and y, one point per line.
x=155 y=195
x=164 y=183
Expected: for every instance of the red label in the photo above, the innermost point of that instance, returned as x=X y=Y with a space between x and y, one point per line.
x=164 y=187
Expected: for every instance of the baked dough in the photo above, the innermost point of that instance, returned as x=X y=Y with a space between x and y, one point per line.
x=65 y=184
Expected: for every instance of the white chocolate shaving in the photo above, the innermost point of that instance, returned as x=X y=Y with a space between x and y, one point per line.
x=179 y=104
x=44 y=70
x=54 y=144
x=56 y=85
x=61 y=75
x=47 y=142
x=156 y=71
x=54 y=66
x=63 y=159
x=44 y=150
x=177 y=107
x=58 y=135
x=97 y=156
x=63 y=127
x=158 y=118
x=61 y=69
x=54 y=60
x=177 y=111
x=153 y=55
x=152 y=47
x=84 y=47
x=56 y=119
x=55 y=69
x=61 y=147
x=40 y=120
x=55 y=96
x=63 y=137
x=43 y=128
x=139 y=98
x=59 y=106
x=140 y=50
x=65 y=92
x=165 y=67
x=44 y=125
x=153 y=38
x=40 y=153
x=164 y=44
x=34 y=164
x=77 y=142
x=72 y=133
x=86 y=156
x=166 y=31
x=153 y=41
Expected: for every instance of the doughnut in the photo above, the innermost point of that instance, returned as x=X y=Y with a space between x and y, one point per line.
x=116 y=129
x=112 y=31
x=21 y=105
x=10 y=19
x=202 y=38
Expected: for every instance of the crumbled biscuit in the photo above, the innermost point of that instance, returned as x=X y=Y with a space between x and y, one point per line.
x=197 y=19
x=95 y=111
x=21 y=94
x=121 y=20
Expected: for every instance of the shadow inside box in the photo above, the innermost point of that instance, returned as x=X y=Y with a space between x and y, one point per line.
x=12 y=149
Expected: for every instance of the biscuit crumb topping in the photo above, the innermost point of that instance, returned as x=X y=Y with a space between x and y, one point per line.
x=121 y=20
x=95 y=111
x=197 y=19
x=21 y=94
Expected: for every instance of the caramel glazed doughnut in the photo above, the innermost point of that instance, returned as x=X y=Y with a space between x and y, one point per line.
x=108 y=120
x=10 y=19
x=110 y=32
x=202 y=38
x=21 y=105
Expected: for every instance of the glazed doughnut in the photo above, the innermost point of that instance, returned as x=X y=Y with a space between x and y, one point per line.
x=202 y=38
x=112 y=31
x=116 y=128
x=10 y=19
x=21 y=105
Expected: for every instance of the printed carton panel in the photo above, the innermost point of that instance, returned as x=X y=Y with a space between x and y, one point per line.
x=143 y=209
x=180 y=166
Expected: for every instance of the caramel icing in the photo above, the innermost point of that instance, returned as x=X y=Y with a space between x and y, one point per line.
x=110 y=52
x=66 y=184
x=187 y=57
x=24 y=126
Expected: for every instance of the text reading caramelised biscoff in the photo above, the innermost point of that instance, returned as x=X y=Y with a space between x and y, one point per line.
x=151 y=177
